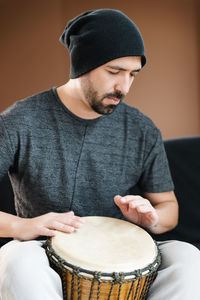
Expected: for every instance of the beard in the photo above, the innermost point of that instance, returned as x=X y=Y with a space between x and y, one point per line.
x=99 y=107
x=96 y=102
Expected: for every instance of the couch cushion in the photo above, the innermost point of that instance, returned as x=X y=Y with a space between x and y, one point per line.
x=6 y=201
x=184 y=160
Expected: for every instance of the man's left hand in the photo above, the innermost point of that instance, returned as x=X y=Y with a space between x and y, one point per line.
x=138 y=210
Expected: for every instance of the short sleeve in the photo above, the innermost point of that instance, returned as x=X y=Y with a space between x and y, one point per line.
x=156 y=176
x=6 y=157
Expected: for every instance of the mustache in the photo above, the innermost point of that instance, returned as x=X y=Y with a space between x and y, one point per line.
x=117 y=95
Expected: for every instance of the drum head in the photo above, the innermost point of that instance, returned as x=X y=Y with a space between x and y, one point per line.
x=106 y=245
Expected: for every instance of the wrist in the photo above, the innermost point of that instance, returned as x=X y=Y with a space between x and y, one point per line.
x=154 y=228
x=16 y=227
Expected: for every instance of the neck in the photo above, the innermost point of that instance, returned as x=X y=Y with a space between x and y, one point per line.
x=72 y=97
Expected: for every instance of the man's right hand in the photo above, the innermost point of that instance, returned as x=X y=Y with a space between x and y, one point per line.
x=45 y=225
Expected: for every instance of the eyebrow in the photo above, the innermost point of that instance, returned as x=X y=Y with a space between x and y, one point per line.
x=122 y=69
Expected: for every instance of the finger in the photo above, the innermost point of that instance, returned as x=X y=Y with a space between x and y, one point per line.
x=66 y=214
x=75 y=222
x=78 y=219
x=143 y=208
x=70 y=220
x=61 y=227
x=129 y=198
x=140 y=203
x=69 y=213
x=137 y=200
x=120 y=201
x=125 y=202
x=47 y=232
x=72 y=216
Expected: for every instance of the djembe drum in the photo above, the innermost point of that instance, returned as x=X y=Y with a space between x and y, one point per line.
x=106 y=258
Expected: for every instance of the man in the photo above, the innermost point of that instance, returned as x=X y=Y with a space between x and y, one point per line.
x=78 y=150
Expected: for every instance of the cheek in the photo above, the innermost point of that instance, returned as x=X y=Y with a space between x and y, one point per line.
x=103 y=83
x=106 y=84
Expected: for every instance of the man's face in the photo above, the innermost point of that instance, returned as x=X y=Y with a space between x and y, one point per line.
x=106 y=86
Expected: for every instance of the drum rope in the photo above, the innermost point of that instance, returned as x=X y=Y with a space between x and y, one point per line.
x=146 y=287
x=130 y=290
x=149 y=283
x=98 y=290
x=118 y=279
x=91 y=289
x=111 y=288
x=120 y=287
x=78 y=277
x=63 y=276
x=137 y=288
x=97 y=277
x=72 y=286
x=79 y=288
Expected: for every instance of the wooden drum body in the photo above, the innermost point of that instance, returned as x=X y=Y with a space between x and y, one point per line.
x=106 y=258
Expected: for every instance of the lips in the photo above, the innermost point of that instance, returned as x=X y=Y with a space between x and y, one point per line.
x=113 y=100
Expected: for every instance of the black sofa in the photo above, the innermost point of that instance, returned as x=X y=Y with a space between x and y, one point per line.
x=6 y=201
x=183 y=155
x=184 y=160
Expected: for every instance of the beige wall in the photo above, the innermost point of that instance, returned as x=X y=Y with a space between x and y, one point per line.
x=167 y=90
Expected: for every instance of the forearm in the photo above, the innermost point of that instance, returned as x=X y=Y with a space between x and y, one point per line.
x=156 y=212
x=44 y=225
x=8 y=224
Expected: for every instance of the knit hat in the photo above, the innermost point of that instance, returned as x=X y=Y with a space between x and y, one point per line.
x=97 y=36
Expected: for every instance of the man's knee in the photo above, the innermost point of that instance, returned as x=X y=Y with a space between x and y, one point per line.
x=184 y=256
x=26 y=272
x=21 y=260
x=180 y=263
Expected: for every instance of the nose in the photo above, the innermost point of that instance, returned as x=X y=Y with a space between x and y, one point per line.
x=123 y=84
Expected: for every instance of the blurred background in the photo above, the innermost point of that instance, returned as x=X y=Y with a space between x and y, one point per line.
x=167 y=90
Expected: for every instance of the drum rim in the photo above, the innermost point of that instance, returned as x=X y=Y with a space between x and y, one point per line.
x=148 y=270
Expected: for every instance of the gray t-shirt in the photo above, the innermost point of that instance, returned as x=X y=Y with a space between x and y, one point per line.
x=60 y=162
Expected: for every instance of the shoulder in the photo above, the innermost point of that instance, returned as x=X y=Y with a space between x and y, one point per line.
x=28 y=104
x=28 y=110
x=26 y=114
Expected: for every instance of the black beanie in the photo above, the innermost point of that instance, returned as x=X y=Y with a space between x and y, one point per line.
x=97 y=36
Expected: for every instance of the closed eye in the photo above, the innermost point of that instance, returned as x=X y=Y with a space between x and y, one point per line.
x=114 y=73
